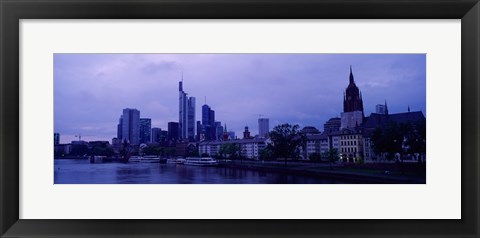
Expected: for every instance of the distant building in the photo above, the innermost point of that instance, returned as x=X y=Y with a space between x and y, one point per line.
x=56 y=138
x=218 y=130
x=131 y=126
x=208 y=123
x=145 y=130
x=231 y=135
x=375 y=121
x=156 y=134
x=309 y=130
x=381 y=109
x=333 y=124
x=173 y=131
x=120 y=127
x=186 y=121
x=352 y=115
x=263 y=127
x=248 y=148
x=246 y=133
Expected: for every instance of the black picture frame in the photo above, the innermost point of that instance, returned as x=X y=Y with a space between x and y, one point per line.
x=11 y=11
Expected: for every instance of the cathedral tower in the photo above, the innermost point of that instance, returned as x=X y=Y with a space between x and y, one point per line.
x=352 y=115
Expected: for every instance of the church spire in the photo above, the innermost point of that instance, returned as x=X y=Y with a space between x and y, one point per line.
x=351 y=75
x=408 y=108
x=386 y=108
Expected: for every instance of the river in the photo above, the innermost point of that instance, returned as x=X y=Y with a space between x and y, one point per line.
x=73 y=171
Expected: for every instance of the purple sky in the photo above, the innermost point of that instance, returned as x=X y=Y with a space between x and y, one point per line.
x=306 y=89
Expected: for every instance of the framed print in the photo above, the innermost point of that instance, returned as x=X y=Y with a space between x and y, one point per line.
x=239 y=118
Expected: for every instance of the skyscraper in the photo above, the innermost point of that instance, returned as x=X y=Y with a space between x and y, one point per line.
x=263 y=127
x=131 y=126
x=156 y=133
x=120 y=127
x=208 y=122
x=352 y=115
x=173 y=131
x=186 y=113
x=145 y=130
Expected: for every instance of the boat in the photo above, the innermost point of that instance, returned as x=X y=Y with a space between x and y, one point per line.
x=204 y=161
x=147 y=159
x=180 y=161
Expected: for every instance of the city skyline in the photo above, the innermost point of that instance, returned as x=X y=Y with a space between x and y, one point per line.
x=305 y=89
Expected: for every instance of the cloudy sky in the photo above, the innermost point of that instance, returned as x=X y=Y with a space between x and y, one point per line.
x=306 y=89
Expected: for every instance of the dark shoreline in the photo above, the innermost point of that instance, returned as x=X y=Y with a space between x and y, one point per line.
x=357 y=178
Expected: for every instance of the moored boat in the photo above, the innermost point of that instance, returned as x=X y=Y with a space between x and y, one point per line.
x=147 y=159
x=204 y=161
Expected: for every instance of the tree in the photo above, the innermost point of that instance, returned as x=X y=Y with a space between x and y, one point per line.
x=331 y=155
x=266 y=153
x=314 y=157
x=229 y=150
x=286 y=141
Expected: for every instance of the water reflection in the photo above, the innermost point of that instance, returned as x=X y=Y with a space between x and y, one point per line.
x=82 y=172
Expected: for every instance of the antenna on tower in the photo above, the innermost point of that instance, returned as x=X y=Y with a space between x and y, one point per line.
x=205 y=100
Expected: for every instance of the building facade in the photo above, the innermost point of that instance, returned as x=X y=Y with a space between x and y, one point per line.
x=145 y=130
x=263 y=127
x=173 y=131
x=186 y=120
x=131 y=126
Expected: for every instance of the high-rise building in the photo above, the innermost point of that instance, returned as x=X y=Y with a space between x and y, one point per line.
x=382 y=109
x=208 y=122
x=131 y=126
x=173 y=131
x=218 y=130
x=56 y=138
x=156 y=134
x=186 y=113
x=120 y=127
x=263 y=127
x=145 y=130
x=352 y=115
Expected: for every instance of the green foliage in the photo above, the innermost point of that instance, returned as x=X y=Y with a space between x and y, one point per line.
x=314 y=157
x=331 y=155
x=229 y=150
x=79 y=150
x=266 y=154
x=104 y=151
x=287 y=141
x=403 y=138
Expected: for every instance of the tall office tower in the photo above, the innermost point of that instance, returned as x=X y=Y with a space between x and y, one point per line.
x=173 y=131
x=145 y=130
x=156 y=134
x=186 y=114
x=131 y=126
x=352 y=115
x=56 y=138
x=120 y=127
x=218 y=130
x=263 y=127
x=191 y=119
x=208 y=122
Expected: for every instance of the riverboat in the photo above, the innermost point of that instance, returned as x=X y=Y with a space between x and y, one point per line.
x=147 y=159
x=204 y=161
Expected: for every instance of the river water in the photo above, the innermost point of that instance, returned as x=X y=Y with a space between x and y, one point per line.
x=71 y=171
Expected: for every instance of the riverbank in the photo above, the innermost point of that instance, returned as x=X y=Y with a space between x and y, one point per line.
x=361 y=174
